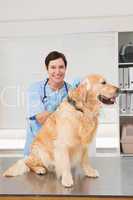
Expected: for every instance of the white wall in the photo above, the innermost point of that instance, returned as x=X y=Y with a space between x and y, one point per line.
x=30 y=28
x=40 y=9
x=40 y=28
x=22 y=61
x=40 y=17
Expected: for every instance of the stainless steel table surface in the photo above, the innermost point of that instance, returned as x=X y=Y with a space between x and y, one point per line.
x=116 y=179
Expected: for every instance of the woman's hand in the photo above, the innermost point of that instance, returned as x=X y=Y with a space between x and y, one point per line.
x=41 y=117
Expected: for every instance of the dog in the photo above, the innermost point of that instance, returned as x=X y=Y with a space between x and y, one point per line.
x=63 y=140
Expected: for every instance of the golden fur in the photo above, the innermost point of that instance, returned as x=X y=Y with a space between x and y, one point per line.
x=63 y=140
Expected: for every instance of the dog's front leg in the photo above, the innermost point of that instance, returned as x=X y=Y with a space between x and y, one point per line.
x=63 y=166
x=88 y=170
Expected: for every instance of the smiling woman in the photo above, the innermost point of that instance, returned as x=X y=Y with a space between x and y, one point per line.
x=56 y=67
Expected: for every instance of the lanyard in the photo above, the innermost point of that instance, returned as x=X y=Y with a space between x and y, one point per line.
x=44 y=89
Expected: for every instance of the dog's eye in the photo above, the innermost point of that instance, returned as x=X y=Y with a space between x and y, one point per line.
x=104 y=82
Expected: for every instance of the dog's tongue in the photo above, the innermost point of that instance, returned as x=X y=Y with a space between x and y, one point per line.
x=113 y=99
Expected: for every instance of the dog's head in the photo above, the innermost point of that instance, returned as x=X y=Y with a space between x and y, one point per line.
x=96 y=86
x=99 y=87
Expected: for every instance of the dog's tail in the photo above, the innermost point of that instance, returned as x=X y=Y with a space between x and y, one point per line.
x=16 y=169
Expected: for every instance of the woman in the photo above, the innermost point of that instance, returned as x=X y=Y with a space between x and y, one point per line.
x=45 y=96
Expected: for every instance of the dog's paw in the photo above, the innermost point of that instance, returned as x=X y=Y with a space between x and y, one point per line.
x=67 y=181
x=40 y=171
x=93 y=173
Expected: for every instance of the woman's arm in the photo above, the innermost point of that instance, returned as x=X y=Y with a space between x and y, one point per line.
x=41 y=117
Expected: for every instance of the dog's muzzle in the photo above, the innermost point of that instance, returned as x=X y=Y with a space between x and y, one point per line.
x=106 y=100
x=110 y=100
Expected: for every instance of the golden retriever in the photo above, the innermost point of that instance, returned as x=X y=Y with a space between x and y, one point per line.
x=63 y=140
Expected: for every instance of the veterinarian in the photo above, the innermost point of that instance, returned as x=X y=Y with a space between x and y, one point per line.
x=45 y=96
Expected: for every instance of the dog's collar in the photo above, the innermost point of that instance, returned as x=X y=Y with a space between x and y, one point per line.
x=73 y=103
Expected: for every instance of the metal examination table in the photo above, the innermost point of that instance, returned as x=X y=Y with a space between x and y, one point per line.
x=115 y=181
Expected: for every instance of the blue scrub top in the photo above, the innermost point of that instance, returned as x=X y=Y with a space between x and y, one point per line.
x=36 y=106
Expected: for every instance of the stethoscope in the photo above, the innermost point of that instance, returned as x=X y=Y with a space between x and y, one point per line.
x=44 y=89
x=45 y=96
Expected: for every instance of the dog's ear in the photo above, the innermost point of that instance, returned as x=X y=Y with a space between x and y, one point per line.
x=86 y=84
x=80 y=93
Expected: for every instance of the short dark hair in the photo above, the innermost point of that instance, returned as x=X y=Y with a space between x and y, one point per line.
x=53 y=56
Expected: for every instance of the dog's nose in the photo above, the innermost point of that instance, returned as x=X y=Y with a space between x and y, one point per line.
x=117 y=91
